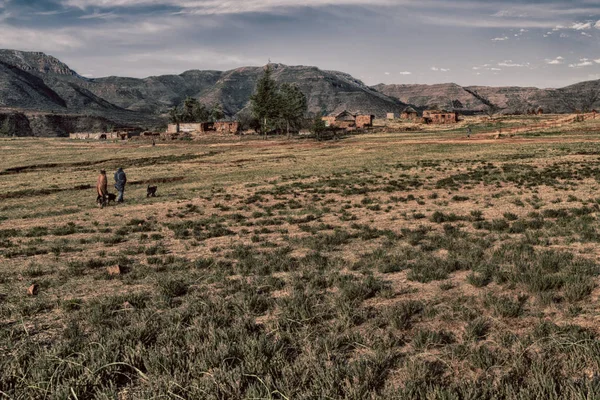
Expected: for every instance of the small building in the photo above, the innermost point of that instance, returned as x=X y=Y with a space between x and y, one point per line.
x=347 y=120
x=409 y=114
x=230 y=127
x=440 y=117
x=186 y=127
x=364 y=121
x=391 y=116
x=343 y=120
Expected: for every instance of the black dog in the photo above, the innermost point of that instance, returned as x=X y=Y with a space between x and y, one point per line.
x=151 y=191
x=109 y=197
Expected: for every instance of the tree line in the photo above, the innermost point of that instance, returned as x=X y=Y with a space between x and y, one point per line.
x=273 y=108
x=193 y=111
x=277 y=107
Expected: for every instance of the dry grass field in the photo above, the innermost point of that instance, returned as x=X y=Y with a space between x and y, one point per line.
x=395 y=266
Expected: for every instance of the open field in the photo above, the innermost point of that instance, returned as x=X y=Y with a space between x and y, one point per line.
x=397 y=266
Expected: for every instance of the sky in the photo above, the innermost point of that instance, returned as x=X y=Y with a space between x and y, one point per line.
x=542 y=43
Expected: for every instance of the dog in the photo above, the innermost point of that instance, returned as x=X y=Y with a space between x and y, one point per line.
x=109 y=197
x=151 y=191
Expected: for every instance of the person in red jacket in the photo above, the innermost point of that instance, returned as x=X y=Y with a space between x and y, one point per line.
x=102 y=188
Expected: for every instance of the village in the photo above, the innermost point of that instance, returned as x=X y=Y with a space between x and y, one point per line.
x=345 y=121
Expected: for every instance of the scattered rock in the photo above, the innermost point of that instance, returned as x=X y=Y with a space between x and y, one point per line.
x=128 y=306
x=114 y=270
x=33 y=290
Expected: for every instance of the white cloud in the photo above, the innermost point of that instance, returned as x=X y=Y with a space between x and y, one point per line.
x=405 y=73
x=583 y=62
x=440 y=69
x=597 y=25
x=210 y=7
x=585 y=34
x=386 y=73
x=511 y=64
x=500 y=39
x=99 y=15
x=556 y=61
x=597 y=61
x=580 y=26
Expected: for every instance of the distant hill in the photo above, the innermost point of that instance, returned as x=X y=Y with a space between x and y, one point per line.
x=34 y=81
x=473 y=99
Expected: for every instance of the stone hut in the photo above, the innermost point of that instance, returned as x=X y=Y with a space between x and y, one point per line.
x=348 y=120
x=230 y=127
x=391 y=116
x=440 y=117
x=410 y=114
x=364 y=121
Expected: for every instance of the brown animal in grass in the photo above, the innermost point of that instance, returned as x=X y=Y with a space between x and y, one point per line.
x=151 y=191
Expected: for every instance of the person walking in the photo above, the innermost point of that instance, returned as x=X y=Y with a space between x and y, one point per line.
x=102 y=188
x=120 y=181
x=469 y=132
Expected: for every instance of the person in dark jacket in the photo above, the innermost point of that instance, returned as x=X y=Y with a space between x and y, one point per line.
x=120 y=181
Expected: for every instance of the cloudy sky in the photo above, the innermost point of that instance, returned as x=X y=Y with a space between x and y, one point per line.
x=544 y=43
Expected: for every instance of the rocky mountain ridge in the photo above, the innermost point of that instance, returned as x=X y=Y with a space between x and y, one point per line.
x=34 y=83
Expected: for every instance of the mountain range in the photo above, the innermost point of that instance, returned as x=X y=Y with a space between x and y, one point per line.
x=42 y=96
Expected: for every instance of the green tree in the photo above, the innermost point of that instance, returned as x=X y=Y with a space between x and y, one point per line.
x=265 y=101
x=292 y=106
x=216 y=112
x=174 y=115
x=318 y=127
x=191 y=111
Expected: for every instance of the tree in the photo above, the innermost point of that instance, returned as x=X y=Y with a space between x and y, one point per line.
x=292 y=106
x=247 y=120
x=193 y=111
x=216 y=112
x=265 y=101
x=318 y=127
x=174 y=115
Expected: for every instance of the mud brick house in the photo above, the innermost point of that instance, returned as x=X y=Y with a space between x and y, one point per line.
x=347 y=120
x=440 y=117
x=364 y=121
x=410 y=114
x=227 y=127
x=343 y=120
x=391 y=116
